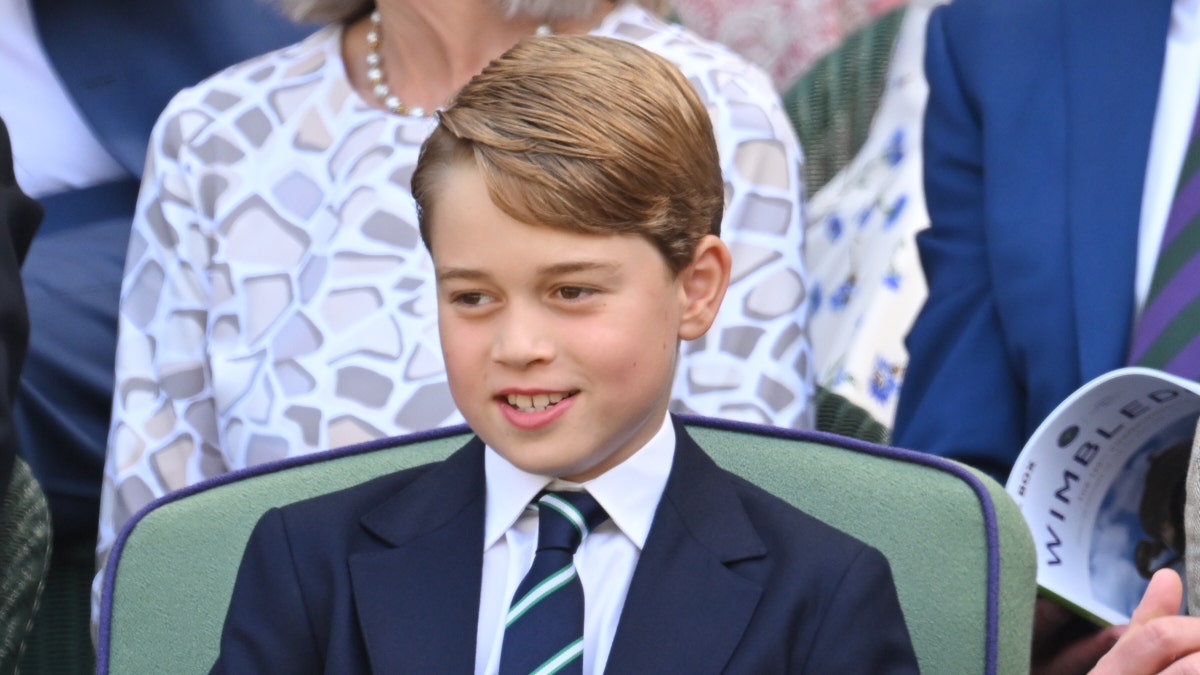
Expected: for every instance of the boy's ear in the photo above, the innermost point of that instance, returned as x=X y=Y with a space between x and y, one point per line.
x=702 y=286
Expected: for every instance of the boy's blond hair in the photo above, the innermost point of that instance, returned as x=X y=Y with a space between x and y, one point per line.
x=585 y=134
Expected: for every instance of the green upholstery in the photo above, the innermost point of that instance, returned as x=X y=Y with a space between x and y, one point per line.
x=832 y=104
x=939 y=524
x=24 y=561
x=837 y=414
x=61 y=642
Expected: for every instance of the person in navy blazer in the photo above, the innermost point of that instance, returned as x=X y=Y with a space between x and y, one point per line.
x=560 y=341
x=119 y=61
x=1037 y=134
x=385 y=578
x=1037 y=137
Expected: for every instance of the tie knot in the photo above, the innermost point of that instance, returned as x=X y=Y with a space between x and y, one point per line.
x=565 y=518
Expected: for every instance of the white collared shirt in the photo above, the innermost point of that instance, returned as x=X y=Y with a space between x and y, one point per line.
x=629 y=493
x=1178 y=95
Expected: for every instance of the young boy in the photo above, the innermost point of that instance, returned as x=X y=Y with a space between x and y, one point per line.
x=571 y=198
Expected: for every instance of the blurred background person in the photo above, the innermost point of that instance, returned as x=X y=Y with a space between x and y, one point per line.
x=84 y=81
x=24 y=518
x=785 y=37
x=1061 y=179
x=19 y=219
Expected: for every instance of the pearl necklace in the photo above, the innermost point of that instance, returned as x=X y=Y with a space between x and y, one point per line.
x=378 y=77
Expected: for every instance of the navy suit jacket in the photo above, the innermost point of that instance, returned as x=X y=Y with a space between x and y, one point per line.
x=120 y=61
x=1037 y=134
x=385 y=577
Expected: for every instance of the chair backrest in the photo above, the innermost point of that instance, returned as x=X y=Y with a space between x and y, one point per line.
x=961 y=554
x=838 y=415
x=831 y=105
x=24 y=560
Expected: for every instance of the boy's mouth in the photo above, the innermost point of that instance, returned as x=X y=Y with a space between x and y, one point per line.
x=535 y=402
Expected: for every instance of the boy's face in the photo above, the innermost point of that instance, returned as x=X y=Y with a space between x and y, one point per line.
x=560 y=347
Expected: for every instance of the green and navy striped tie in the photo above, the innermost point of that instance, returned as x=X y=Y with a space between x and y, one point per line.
x=1167 y=334
x=543 y=631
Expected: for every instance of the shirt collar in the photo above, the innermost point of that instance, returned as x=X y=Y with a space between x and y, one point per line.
x=629 y=492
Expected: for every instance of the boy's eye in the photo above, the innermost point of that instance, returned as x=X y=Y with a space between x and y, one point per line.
x=573 y=292
x=470 y=298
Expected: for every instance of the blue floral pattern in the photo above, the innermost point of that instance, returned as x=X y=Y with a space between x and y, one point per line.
x=871 y=272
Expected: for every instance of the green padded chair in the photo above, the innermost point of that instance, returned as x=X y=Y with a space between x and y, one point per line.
x=836 y=414
x=24 y=561
x=831 y=104
x=961 y=554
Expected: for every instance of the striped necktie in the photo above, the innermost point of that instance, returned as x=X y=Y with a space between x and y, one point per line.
x=543 y=631
x=1167 y=334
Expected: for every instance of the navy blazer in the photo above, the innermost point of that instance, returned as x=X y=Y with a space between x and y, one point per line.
x=1037 y=134
x=385 y=577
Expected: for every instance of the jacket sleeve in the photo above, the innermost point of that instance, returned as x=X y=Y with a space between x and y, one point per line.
x=961 y=397
x=863 y=631
x=267 y=629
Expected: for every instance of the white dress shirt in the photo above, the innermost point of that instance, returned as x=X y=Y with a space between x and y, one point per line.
x=1178 y=95
x=53 y=148
x=629 y=493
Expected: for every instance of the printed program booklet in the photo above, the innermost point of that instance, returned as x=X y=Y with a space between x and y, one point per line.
x=1101 y=483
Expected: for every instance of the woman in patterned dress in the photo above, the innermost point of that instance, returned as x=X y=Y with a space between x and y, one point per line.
x=277 y=300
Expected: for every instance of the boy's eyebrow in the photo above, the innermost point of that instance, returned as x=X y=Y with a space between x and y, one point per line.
x=463 y=273
x=578 y=266
x=557 y=269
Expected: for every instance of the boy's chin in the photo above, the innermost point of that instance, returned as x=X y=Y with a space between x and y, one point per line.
x=576 y=472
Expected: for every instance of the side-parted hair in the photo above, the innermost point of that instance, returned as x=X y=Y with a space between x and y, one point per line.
x=586 y=134
x=345 y=11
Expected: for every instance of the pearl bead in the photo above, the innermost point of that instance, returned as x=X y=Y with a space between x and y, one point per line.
x=378 y=78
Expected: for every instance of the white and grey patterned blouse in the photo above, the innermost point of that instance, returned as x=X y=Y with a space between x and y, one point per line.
x=277 y=299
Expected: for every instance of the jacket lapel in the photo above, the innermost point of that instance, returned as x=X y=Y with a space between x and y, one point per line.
x=418 y=601
x=668 y=622
x=1114 y=58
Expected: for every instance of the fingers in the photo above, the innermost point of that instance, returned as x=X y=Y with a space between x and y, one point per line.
x=1157 y=640
x=1189 y=665
x=1163 y=597
x=1155 y=646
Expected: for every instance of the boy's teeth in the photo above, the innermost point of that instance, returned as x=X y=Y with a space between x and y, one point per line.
x=533 y=403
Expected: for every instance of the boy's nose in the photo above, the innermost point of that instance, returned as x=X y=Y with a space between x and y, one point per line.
x=521 y=340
